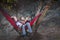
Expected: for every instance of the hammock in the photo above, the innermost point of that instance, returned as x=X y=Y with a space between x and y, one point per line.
x=8 y=17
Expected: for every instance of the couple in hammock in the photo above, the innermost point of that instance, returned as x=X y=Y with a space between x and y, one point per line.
x=22 y=23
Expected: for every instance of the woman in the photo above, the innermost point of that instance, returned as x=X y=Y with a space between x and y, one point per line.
x=18 y=23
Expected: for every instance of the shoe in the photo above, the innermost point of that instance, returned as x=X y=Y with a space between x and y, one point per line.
x=30 y=34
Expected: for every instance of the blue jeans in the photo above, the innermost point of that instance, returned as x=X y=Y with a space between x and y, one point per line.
x=29 y=28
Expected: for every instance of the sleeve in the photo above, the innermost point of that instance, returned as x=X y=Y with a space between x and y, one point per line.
x=18 y=24
x=15 y=18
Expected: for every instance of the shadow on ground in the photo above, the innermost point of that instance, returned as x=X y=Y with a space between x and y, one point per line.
x=36 y=36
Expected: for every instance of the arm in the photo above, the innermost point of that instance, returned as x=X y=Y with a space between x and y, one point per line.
x=14 y=17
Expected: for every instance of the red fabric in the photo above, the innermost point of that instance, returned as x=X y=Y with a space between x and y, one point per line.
x=34 y=19
x=13 y=22
x=9 y=19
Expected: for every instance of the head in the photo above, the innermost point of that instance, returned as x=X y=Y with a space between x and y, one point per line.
x=22 y=18
x=29 y=16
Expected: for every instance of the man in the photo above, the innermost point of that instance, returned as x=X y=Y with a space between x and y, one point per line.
x=27 y=24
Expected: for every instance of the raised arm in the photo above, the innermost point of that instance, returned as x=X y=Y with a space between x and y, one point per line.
x=14 y=17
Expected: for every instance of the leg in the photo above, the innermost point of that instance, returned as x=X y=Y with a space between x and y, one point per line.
x=29 y=27
x=23 y=30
